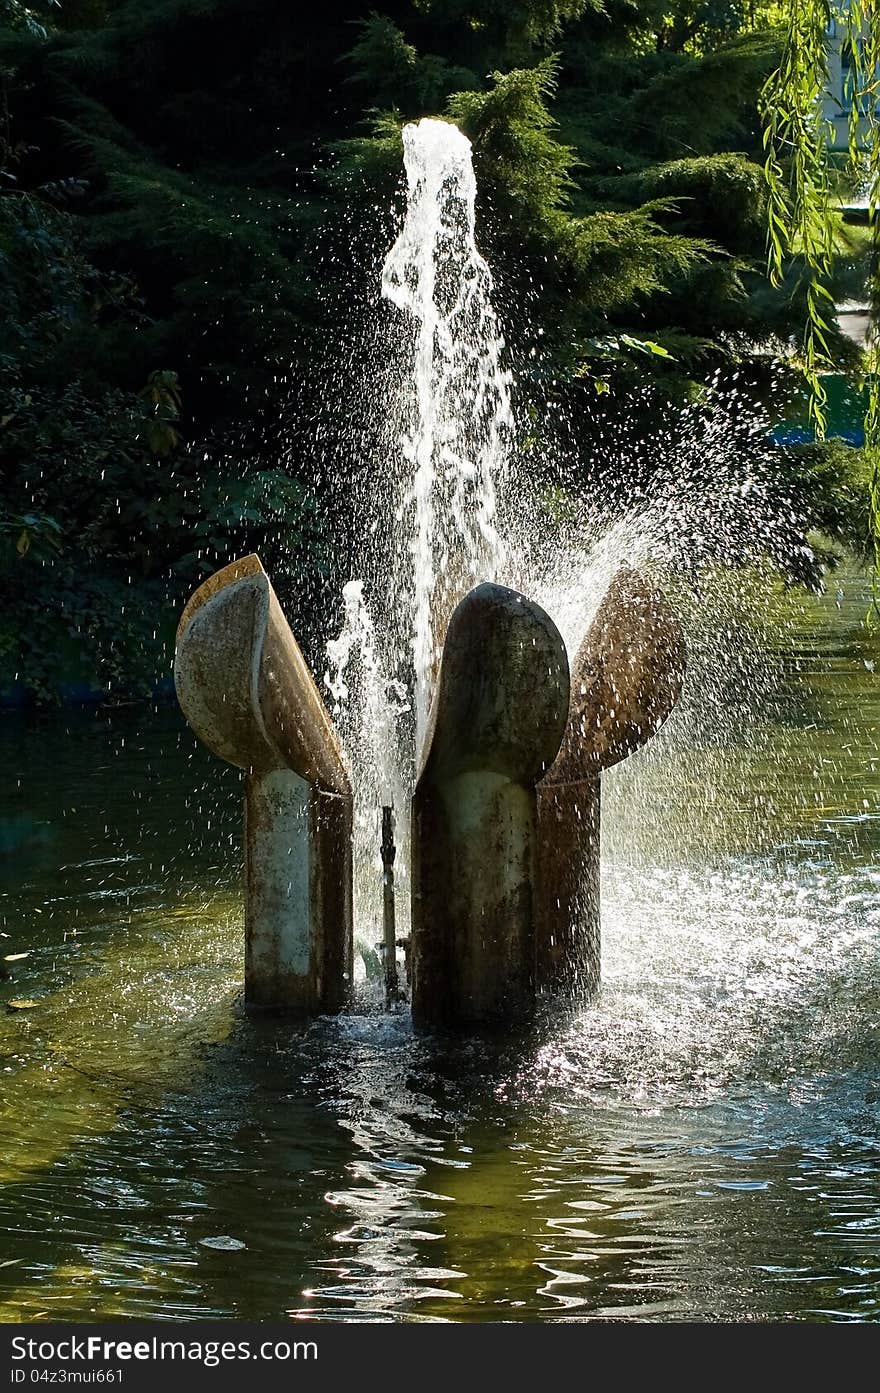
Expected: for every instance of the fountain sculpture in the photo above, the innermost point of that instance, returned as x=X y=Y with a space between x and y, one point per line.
x=626 y=678
x=495 y=756
x=496 y=724
x=245 y=689
x=505 y=840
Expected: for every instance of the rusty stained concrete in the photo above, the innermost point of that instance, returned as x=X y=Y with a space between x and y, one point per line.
x=496 y=724
x=247 y=693
x=626 y=678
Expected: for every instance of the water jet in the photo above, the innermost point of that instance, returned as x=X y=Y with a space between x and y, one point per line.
x=461 y=725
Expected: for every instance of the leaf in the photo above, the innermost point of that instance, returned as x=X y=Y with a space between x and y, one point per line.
x=657 y=349
x=23 y=545
x=644 y=346
x=224 y=1243
x=21 y=1004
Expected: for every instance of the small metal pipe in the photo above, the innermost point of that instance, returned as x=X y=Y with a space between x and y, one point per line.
x=389 y=851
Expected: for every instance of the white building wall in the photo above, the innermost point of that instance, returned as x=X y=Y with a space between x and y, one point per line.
x=838 y=96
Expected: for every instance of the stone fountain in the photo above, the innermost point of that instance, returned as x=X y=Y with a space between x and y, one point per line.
x=506 y=810
x=245 y=689
x=492 y=750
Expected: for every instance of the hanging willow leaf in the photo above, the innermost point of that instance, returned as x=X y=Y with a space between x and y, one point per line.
x=863 y=42
x=800 y=217
x=800 y=206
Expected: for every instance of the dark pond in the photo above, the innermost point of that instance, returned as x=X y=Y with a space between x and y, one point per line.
x=701 y=1143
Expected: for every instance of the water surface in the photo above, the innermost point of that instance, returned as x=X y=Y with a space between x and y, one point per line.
x=701 y=1143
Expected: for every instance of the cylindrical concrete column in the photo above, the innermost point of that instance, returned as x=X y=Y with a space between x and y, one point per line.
x=568 y=944
x=626 y=678
x=495 y=727
x=246 y=691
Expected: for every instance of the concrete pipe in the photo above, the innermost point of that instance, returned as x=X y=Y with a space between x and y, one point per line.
x=245 y=689
x=626 y=679
x=495 y=728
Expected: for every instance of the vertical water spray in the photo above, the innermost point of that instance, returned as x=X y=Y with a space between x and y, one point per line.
x=430 y=518
x=456 y=420
x=369 y=707
x=453 y=426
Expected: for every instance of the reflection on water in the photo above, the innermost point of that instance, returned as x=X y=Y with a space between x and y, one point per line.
x=701 y=1143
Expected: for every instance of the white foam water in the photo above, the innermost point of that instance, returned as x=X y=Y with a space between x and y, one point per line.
x=451 y=473
x=456 y=413
x=453 y=423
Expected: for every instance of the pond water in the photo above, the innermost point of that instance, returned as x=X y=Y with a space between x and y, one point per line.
x=700 y=1143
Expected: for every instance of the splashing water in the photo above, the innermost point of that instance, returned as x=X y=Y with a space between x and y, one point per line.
x=453 y=427
x=369 y=707
x=451 y=474
x=457 y=415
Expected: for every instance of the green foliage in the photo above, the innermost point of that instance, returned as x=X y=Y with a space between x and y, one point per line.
x=512 y=29
x=396 y=75
x=718 y=196
x=23 y=534
x=194 y=196
x=831 y=484
x=801 y=215
x=599 y=265
x=698 y=104
x=521 y=168
x=32 y=18
x=100 y=503
x=796 y=169
x=863 y=37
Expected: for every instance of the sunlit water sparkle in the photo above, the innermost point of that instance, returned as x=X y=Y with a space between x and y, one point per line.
x=701 y=1142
